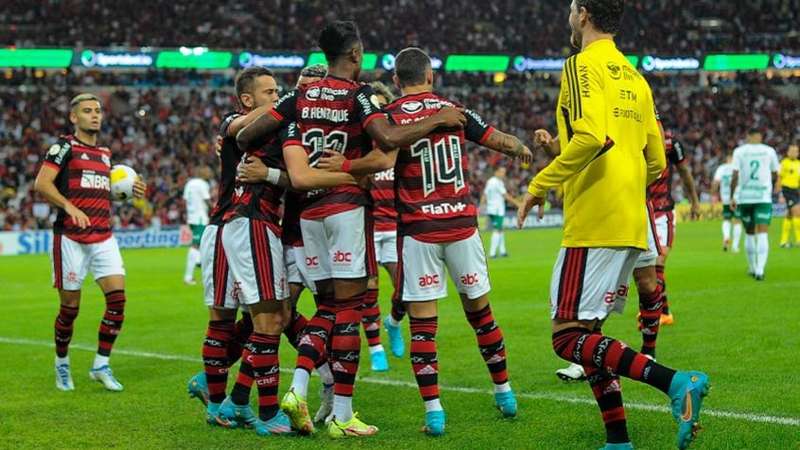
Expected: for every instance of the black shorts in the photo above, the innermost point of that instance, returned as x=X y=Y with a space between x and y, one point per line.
x=792 y=197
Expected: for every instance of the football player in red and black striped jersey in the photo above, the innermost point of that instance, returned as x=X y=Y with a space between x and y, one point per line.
x=74 y=177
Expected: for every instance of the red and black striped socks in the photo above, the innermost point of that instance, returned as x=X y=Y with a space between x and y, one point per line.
x=589 y=349
x=215 y=358
x=663 y=282
x=63 y=329
x=424 y=360
x=260 y=364
x=491 y=345
x=345 y=353
x=371 y=318
x=294 y=329
x=650 y=306
x=608 y=393
x=111 y=324
x=241 y=333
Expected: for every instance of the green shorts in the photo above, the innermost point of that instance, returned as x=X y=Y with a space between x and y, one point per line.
x=497 y=222
x=197 y=234
x=755 y=214
x=728 y=213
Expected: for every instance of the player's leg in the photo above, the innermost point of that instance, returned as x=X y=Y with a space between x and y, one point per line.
x=193 y=257
x=763 y=217
x=497 y=235
x=69 y=262
x=747 y=215
x=727 y=215
x=392 y=320
x=650 y=304
x=737 y=231
x=795 y=210
x=106 y=265
x=587 y=285
x=786 y=228
x=422 y=281
x=371 y=321
x=665 y=233
x=295 y=322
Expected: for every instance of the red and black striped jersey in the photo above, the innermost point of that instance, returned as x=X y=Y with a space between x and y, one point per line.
x=432 y=180
x=229 y=157
x=383 y=208
x=83 y=179
x=659 y=193
x=331 y=114
x=262 y=201
x=290 y=225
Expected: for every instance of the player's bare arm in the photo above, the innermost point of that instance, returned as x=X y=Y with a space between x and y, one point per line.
x=45 y=186
x=544 y=140
x=305 y=178
x=255 y=134
x=689 y=187
x=239 y=123
x=715 y=191
x=253 y=171
x=389 y=137
x=509 y=145
x=734 y=185
x=375 y=161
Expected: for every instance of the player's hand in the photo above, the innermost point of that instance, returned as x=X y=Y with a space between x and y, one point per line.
x=449 y=117
x=218 y=146
x=525 y=157
x=542 y=138
x=77 y=216
x=139 y=188
x=331 y=161
x=527 y=204
x=251 y=170
x=695 y=211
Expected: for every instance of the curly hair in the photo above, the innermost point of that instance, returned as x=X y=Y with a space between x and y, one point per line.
x=606 y=15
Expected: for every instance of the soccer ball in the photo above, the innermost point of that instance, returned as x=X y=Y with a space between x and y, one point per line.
x=122 y=179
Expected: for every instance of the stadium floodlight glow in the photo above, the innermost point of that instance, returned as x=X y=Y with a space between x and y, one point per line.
x=477 y=63
x=193 y=58
x=731 y=62
x=272 y=60
x=658 y=64
x=43 y=58
x=90 y=58
x=369 y=62
x=529 y=64
x=781 y=61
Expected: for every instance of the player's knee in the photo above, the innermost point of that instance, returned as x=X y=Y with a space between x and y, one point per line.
x=372 y=283
x=474 y=305
x=646 y=281
x=71 y=299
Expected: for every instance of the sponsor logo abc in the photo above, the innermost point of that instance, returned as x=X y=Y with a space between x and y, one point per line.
x=342 y=257
x=469 y=279
x=312 y=261
x=429 y=280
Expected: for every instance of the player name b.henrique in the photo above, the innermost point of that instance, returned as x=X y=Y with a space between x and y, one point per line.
x=322 y=113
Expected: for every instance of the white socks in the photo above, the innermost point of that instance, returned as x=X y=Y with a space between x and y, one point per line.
x=762 y=246
x=505 y=387
x=433 y=405
x=300 y=382
x=502 y=243
x=737 y=236
x=62 y=361
x=726 y=230
x=99 y=361
x=375 y=349
x=496 y=236
x=750 y=249
x=342 y=408
x=390 y=320
x=192 y=260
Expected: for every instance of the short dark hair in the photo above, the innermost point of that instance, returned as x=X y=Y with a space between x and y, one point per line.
x=337 y=38
x=245 y=78
x=606 y=15
x=753 y=131
x=410 y=66
x=315 y=71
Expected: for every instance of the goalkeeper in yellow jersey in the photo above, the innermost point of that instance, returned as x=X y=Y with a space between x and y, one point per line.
x=606 y=119
x=790 y=184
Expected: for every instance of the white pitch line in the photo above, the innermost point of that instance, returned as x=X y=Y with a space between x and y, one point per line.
x=745 y=417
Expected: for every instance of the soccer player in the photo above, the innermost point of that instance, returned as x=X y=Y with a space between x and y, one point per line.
x=494 y=197
x=605 y=116
x=790 y=183
x=74 y=177
x=755 y=172
x=721 y=187
x=438 y=228
x=341 y=114
x=197 y=195
x=659 y=194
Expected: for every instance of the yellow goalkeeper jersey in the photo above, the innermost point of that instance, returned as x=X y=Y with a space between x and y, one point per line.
x=790 y=173
x=611 y=149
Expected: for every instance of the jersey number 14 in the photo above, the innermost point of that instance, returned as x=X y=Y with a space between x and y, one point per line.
x=441 y=163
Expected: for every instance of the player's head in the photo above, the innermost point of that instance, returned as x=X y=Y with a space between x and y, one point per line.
x=599 y=16
x=500 y=172
x=793 y=151
x=383 y=93
x=204 y=172
x=311 y=74
x=341 y=43
x=86 y=113
x=412 y=67
x=754 y=136
x=255 y=87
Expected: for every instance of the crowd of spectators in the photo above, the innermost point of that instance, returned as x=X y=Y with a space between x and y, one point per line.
x=165 y=132
x=441 y=26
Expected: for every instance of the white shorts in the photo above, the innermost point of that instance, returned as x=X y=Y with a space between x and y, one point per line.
x=339 y=246
x=422 y=267
x=648 y=258
x=218 y=282
x=665 y=228
x=72 y=261
x=297 y=273
x=590 y=283
x=255 y=255
x=386 y=247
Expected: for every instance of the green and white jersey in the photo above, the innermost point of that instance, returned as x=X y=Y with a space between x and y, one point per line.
x=724 y=176
x=755 y=163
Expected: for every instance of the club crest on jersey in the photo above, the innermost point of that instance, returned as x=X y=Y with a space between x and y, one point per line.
x=412 y=107
x=54 y=149
x=313 y=94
